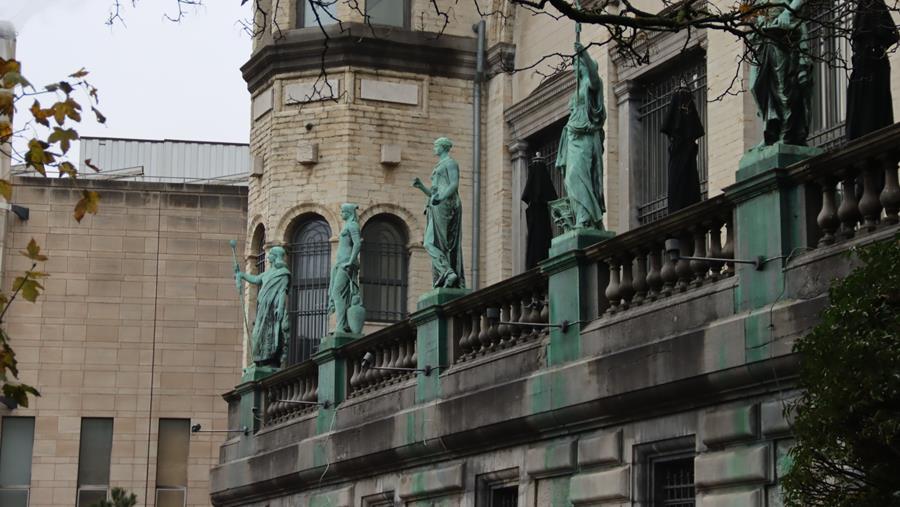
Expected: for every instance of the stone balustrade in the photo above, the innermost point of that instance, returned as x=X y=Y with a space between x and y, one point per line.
x=393 y=352
x=518 y=302
x=290 y=394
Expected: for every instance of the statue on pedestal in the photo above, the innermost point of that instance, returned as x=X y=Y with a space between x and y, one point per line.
x=343 y=289
x=443 y=207
x=271 y=328
x=580 y=153
x=781 y=73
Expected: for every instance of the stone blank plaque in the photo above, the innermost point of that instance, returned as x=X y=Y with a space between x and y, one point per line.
x=308 y=153
x=384 y=91
x=262 y=103
x=390 y=154
x=257 y=168
x=310 y=91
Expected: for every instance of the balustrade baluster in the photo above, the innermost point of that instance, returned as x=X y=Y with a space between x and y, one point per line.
x=683 y=266
x=728 y=249
x=612 y=289
x=669 y=276
x=698 y=267
x=827 y=219
x=654 y=276
x=503 y=330
x=484 y=339
x=515 y=315
x=493 y=336
x=848 y=211
x=544 y=315
x=869 y=205
x=626 y=287
x=534 y=307
x=354 y=377
x=715 y=248
x=640 y=279
x=890 y=194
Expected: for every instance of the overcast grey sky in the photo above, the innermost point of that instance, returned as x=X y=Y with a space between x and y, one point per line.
x=157 y=79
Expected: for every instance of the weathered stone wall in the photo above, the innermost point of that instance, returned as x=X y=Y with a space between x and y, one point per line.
x=139 y=321
x=349 y=134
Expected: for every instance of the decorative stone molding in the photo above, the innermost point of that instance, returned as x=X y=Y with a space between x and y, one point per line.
x=546 y=105
x=355 y=45
x=501 y=58
x=287 y=219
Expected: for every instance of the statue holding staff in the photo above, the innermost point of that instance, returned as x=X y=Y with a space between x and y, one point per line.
x=443 y=207
x=271 y=327
x=343 y=289
x=580 y=154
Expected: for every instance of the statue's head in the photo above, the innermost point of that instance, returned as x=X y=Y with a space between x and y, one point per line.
x=348 y=211
x=442 y=145
x=277 y=257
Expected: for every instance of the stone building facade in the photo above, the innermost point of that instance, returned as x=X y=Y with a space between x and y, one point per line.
x=613 y=374
x=133 y=340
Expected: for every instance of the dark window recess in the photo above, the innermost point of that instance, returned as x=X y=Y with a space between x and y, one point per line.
x=310 y=260
x=545 y=146
x=673 y=483
x=505 y=497
x=831 y=54
x=652 y=178
x=260 y=249
x=384 y=269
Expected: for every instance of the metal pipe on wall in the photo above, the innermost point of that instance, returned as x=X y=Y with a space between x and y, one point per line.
x=476 y=154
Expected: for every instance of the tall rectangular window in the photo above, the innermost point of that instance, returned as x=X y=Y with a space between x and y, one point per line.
x=656 y=95
x=16 y=443
x=831 y=54
x=172 y=451
x=388 y=12
x=94 y=454
x=313 y=13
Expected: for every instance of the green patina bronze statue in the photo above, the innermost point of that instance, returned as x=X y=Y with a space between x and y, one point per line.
x=343 y=290
x=443 y=233
x=271 y=327
x=580 y=154
x=781 y=73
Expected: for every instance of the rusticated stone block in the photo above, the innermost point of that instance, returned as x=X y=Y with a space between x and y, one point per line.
x=339 y=498
x=606 y=486
x=603 y=449
x=551 y=459
x=753 y=498
x=433 y=482
x=733 y=466
x=773 y=418
x=729 y=424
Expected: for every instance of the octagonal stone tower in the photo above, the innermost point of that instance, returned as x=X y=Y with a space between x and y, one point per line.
x=347 y=112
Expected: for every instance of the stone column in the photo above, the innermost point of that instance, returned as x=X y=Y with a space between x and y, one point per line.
x=519 y=158
x=432 y=335
x=628 y=100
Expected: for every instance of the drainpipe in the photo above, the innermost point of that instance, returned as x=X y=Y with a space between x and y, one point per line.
x=476 y=153
x=7 y=51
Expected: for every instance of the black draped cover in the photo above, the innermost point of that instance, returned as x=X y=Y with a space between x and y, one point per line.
x=683 y=127
x=537 y=193
x=869 y=104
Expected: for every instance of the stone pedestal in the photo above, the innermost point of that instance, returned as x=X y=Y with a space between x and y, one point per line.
x=760 y=159
x=332 y=377
x=432 y=348
x=248 y=410
x=769 y=222
x=572 y=290
x=255 y=372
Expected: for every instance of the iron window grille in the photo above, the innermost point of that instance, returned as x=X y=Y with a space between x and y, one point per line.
x=310 y=257
x=261 y=253
x=652 y=179
x=831 y=52
x=384 y=270
x=672 y=481
x=507 y=496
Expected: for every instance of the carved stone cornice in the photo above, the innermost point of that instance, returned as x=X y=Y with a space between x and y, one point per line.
x=546 y=105
x=360 y=45
x=501 y=57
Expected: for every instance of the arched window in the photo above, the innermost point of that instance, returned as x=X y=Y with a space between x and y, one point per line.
x=259 y=248
x=384 y=265
x=310 y=258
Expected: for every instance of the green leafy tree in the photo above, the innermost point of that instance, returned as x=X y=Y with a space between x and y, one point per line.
x=120 y=498
x=847 y=421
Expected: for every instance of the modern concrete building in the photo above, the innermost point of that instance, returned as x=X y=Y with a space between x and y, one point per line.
x=613 y=374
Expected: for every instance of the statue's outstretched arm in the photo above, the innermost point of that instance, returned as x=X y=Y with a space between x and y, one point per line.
x=254 y=279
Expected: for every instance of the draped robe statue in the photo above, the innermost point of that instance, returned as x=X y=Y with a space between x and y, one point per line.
x=580 y=153
x=443 y=232
x=271 y=327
